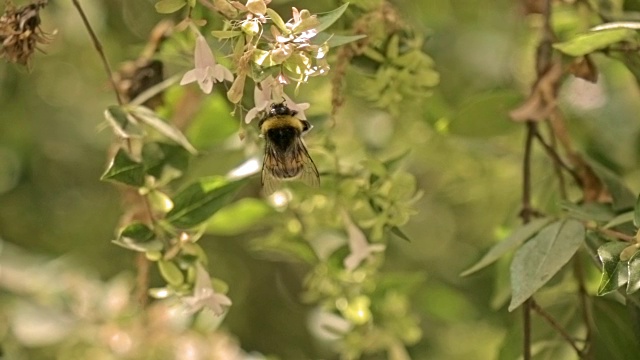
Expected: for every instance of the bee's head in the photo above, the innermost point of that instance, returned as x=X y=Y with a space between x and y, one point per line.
x=281 y=109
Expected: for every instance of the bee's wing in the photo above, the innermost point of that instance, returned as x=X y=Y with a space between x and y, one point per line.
x=270 y=164
x=294 y=164
x=309 y=174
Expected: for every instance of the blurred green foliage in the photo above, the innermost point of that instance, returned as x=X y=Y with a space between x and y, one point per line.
x=463 y=155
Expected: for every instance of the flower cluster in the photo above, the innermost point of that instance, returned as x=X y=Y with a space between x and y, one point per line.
x=20 y=32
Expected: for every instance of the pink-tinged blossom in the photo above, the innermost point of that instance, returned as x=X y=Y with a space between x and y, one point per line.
x=270 y=92
x=300 y=108
x=359 y=247
x=261 y=98
x=204 y=296
x=206 y=71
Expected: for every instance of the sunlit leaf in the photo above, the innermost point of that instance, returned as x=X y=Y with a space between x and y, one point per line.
x=169 y=6
x=171 y=272
x=124 y=170
x=150 y=118
x=614 y=271
x=539 y=259
x=517 y=237
x=197 y=202
x=277 y=20
x=584 y=44
x=330 y=17
x=138 y=237
x=238 y=217
x=633 y=284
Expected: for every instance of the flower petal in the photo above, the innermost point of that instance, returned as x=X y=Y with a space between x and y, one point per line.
x=251 y=114
x=203 y=54
x=189 y=77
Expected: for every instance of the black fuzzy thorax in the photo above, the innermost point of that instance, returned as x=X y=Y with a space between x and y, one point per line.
x=283 y=137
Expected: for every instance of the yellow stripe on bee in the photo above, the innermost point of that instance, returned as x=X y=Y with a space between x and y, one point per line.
x=280 y=121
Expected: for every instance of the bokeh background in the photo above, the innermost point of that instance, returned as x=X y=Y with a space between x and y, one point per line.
x=465 y=153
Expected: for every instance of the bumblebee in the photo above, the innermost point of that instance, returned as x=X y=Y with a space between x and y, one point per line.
x=285 y=155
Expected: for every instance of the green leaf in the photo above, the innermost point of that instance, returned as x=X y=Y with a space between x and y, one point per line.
x=620 y=219
x=539 y=259
x=150 y=118
x=171 y=272
x=284 y=249
x=614 y=271
x=124 y=170
x=632 y=25
x=199 y=201
x=169 y=6
x=121 y=124
x=623 y=198
x=399 y=233
x=236 y=218
x=330 y=17
x=333 y=40
x=588 y=211
x=633 y=283
x=636 y=213
x=517 y=237
x=614 y=338
x=585 y=44
x=226 y=34
x=159 y=158
x=277 y=20
x=138 y=237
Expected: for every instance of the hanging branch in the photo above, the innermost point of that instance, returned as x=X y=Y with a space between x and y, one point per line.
x=99 y=49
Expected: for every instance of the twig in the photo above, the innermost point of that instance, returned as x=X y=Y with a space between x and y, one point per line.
x=526 y=214
x=98 y=46
x=551 y=151
x=554 y=324
x=585 y=307
x=614 y=234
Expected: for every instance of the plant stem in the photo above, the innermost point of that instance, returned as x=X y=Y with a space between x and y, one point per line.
x=526 y=213
x=554 y=324
x=98 y=46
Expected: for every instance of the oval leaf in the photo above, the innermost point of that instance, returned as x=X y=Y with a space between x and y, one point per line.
x=331 y=17
x=636 y=213
x=238 y=217
x=517 y=237
x=614 y=271
x=124 y=170
x=584 y=44
x=201 y=200
x=150 y=118
x=169 y=6
x=543 y=256
x=138 y=237
x=633 y=284
x=171 y=272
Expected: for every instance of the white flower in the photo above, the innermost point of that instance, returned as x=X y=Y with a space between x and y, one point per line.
x=206 y=71
x=359 y=247
x=261 y=98
x=270 y=92
x=204 y=296
x=300 y=108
